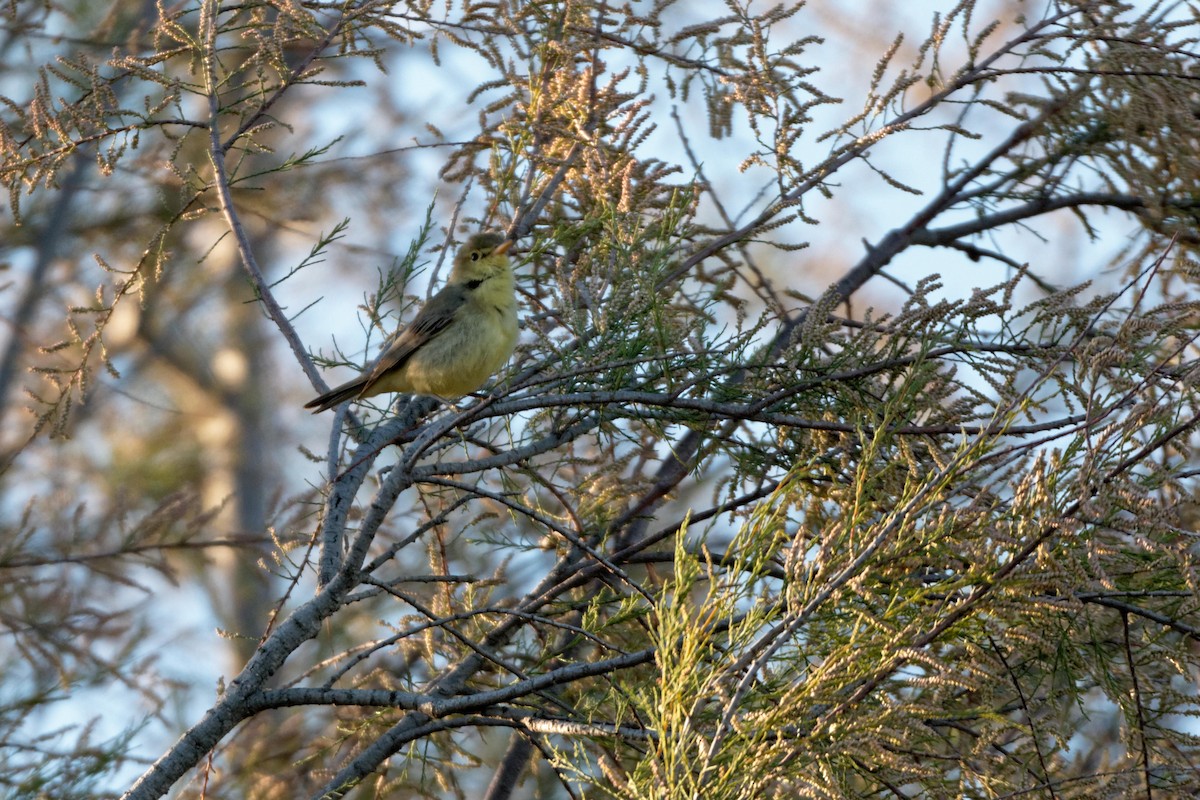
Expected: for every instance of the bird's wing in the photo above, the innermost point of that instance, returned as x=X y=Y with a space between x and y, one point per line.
x=434 y=318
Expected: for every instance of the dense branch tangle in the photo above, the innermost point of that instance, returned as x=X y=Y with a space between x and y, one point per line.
x=711 y=536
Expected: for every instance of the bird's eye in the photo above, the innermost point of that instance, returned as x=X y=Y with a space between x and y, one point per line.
x=474 y=255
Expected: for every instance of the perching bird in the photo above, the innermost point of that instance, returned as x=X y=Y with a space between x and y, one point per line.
x=458 y=340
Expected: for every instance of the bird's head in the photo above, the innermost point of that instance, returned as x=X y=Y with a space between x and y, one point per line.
x=482 y=256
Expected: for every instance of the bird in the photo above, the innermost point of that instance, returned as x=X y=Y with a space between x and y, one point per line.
x=458 y=340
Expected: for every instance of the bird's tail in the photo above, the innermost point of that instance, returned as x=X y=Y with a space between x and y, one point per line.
x=337 y=395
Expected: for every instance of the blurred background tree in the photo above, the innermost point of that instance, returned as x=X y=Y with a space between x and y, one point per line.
x=847 y=451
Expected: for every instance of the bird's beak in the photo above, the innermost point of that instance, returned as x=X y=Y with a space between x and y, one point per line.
x=503 y=247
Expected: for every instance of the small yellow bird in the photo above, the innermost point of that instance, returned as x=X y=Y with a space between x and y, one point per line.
x=458 y=340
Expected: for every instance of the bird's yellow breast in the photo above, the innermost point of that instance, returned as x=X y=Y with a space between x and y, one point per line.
x=460 y=359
